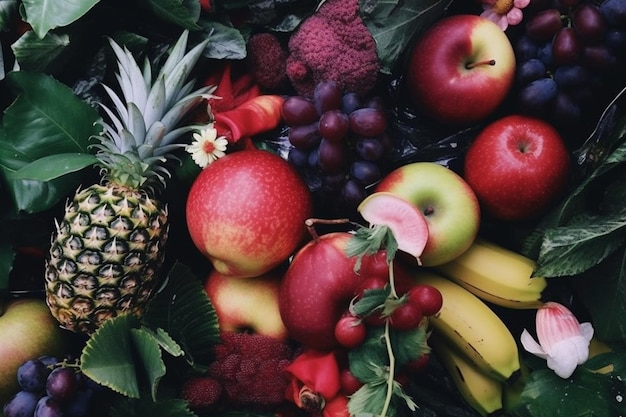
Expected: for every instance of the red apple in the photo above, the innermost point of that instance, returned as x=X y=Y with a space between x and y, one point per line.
x=320 y=282
x=246 y=212
x=247 y=304
x=461 y=69
x=517 y=166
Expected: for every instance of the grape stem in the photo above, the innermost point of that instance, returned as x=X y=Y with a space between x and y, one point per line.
x=471 y=65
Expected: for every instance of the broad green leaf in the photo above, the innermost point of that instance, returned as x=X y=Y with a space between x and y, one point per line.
x=36 y=54
x=184 y=13
x=44 y=15
x=8 y=11
x=394 y=24
x=52 y=167
x=183 y=310
x=149 y=355
x=33 y=196
x=165 y=341
x=226 y=41
x=108 y=357
x=7 y=255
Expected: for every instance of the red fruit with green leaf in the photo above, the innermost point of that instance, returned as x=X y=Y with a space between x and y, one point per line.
x=406 y=316
x=350 y=331
x=427 y=297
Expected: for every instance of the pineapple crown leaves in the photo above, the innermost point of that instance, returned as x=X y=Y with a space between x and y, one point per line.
x=144 y=120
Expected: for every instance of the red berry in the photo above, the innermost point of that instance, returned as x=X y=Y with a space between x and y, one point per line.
x=418 y=365
x=427 y=297
x=406 y=316
x=349 y=383
x=350 y=331
x=371 y=283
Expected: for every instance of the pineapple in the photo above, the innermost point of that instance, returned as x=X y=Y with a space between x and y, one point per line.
x=106 y=253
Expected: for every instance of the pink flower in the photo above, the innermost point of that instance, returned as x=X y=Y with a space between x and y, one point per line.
x=563 y=341
x=504 y=12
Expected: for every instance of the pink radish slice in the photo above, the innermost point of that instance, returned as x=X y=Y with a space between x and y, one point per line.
x=404 y=219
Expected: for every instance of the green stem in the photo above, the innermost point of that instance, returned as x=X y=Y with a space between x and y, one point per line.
x=390 y=377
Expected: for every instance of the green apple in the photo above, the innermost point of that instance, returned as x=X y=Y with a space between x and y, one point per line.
x=247 y=304
x=448 y=203
x=28 y=331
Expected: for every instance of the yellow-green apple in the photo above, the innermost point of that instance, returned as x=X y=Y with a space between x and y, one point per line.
x=319 y=284
x=517 y=166
x=461 y=69
x=247 y=304
x=448 y=202
x=246 y=212
x=28 y=331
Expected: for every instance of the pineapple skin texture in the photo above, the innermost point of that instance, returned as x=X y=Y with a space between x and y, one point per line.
x=105 y=256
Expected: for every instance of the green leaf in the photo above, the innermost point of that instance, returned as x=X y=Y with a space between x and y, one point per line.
x=36 y=54
x=44 y=15
x=51 y=167
x=149 y=354
x=7 y=255
x=183 y=310
x=394 y=23
x=8 y=11
x=369 y=360
x=183 y=13
x=108 y=359
x=370 y=240
x=226 y=41
x=372 y=300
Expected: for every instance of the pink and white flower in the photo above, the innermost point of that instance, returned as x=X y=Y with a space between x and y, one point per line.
x=563 y=341
x=504 y=12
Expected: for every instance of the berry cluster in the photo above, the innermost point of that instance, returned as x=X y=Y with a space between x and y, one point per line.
x=568 y=56
x=50 y=388
x=339 y=143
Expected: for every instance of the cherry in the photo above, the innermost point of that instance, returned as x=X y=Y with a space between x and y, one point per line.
x=350 y=331
x=406 y=316
x=427 y=297
x=349 y=383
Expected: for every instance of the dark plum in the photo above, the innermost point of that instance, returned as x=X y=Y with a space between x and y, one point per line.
x=334 y=125
x=22 y=404
x=370 y=149
x=566 y=46
x=305 y=137
x=327 y=96
x=298 y=110
x=368 y=121
x=32 y=375
x=531 y=70
x=544 y=25
x=365 y=172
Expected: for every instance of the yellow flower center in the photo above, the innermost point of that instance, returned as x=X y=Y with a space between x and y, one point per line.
x=502 y=7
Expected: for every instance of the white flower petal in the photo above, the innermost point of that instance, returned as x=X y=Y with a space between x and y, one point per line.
x=531 y=345
x=565 y=356
x=586 y=329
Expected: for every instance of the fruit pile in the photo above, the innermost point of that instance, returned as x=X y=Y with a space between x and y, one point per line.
x=228 y=209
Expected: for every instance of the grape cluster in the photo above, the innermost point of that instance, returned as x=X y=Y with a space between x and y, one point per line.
x=50 y=388
x=568 y=57
x=339 y=143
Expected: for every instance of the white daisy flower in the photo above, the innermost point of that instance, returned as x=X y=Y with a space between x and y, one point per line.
x=207 y=147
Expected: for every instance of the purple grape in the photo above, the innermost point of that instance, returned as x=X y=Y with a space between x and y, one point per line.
x=334 y=125
x=305 y=137
x=598 y=58
x=531 y=70
x=545 y=54
x=566 y=46
x=32 y=375
x=49 y=361
x=615 y=39
x=48 y=407
x=313 y=159
x=544 y=25
x=327 y=96
x=589 y=23
x=22 y=404
x=62 y=384
x=565 y=111
x=78 y=406
x=350 y=102
x=298 y=157
x=365 y=172
x=614 y=11
x=370 y=149
x=571 y=76
x=525 y=49
x=332 y=156
x=534 y=98
x=375 y=102
x=368 y=121
x=334 y=181
x=351 y=195
x=298 y=110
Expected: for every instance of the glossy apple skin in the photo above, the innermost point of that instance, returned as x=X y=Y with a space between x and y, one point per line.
x=518 y=166
x=247 y=304
x=320 y=282
x=246 y=211
x=438 y=80
x=28 y=331
x=449 y=204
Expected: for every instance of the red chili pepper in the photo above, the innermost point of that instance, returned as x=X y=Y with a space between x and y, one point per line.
x=315 y=380
x=205 y=5
x=257 y=115
x=337 y=407
x=235 y=86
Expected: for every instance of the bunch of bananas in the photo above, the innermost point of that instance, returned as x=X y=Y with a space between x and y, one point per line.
x=470 y=339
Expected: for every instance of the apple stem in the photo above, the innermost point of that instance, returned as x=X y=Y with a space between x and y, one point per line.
x=471 y=65
x=311 y=222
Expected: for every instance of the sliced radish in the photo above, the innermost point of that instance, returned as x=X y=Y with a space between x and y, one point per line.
x=404 y=219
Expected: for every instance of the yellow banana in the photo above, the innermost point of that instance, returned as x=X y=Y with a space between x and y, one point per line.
x=481 y=391
x=497 y=275
x=466 y=322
